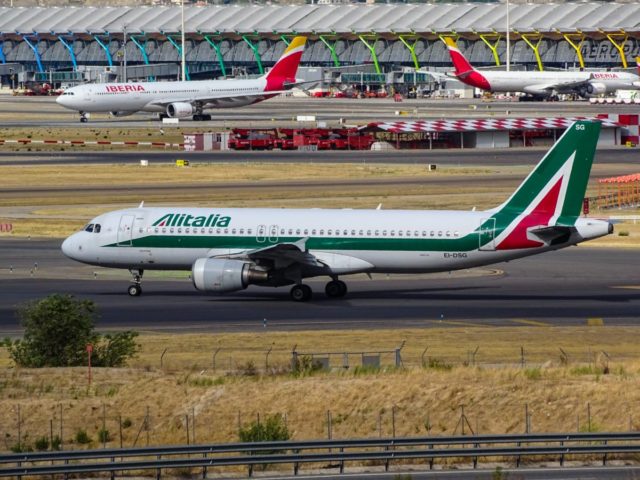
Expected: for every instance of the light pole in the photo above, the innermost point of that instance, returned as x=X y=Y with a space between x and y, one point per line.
x=508 y=40
x=182 y=51
x=124 y=53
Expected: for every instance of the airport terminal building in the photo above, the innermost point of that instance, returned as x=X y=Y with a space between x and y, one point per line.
x=61 y=44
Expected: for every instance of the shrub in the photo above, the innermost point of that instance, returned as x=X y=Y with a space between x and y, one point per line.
x=41 y=444
x=56 y=443
x=623 y=233
x=82 y=437
x=438 y=364
x=271 y=429
x=103 y=435
x=126 y=423
x=306 y=365
x=57 y=330
x=533 y=373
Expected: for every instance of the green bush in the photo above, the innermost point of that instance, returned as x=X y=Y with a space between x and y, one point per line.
x=623 y=233
x=41 y=444
x=56 y=443
x=57 y=330
x=438 y=364
x=126 y=423
x=306 y=365
x=82 y=437
x=271 y=429
x=104 y=436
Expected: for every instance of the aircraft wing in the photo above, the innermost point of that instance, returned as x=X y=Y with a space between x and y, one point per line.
x=281 y=254
x=548 y=88
x=214 y=99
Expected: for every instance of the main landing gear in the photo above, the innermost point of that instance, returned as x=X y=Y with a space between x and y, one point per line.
x=135 y=290
x=201 y=117
x=333 y=289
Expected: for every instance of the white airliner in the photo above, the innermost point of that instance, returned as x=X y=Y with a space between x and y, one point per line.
x=541 y=84
x=228 y=249
x=185 y=99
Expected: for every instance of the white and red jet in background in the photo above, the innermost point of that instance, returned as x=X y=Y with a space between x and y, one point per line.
x=541 y=84
x=185 y=99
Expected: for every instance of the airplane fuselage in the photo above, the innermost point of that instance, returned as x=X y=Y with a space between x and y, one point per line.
x=145 y=96
x=345 y=241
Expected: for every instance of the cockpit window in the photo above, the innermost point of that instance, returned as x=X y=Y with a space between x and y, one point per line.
x=89 y=228
x=97 y=228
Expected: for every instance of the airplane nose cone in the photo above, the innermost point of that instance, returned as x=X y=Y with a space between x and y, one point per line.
x=71 y=247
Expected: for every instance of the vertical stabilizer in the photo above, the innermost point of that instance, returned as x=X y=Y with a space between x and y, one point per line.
x=285 y=69
x=553 y=193
x=464 y=71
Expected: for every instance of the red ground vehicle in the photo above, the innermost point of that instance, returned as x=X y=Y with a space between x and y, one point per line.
x=245 y=139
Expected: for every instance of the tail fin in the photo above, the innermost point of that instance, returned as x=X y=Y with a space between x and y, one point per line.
x=553 y=193
x=460 y=63
x=285 y=69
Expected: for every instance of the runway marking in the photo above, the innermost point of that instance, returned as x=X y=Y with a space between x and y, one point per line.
x=457 y=323
x=535 y=323
x=627 y=287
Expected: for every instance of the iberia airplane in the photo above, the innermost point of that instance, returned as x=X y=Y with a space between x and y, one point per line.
x=541 y=84
x=185 y=99
x=228 y=249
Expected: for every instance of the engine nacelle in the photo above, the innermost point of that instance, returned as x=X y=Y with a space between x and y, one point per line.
x=223 y=275
x=180 y=110
x=595 y=89
x=121 y=114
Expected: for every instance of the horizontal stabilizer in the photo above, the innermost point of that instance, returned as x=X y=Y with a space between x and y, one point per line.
x=553 y=235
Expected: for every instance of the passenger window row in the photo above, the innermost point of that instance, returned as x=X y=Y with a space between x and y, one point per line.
x=305 y=232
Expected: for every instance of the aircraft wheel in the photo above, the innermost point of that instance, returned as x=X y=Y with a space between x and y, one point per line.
x=301 y=293
x=336 y=289
x=197 y=118
x=206 y=118
x=134 y=290
x=84 y=119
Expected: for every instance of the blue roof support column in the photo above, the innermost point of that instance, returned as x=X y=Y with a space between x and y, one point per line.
x=105 y=47
x=142 y=49
x=34 y=47
x=179 y=49
x=72 y=54
x=3 y=59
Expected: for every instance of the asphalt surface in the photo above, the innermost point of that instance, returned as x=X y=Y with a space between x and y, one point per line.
x=558 y=288
x=43 y=111
x=471 y=157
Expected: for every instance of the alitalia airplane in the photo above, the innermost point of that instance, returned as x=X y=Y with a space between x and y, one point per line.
x=228 y=249
x=185 y=99
x=541 y=84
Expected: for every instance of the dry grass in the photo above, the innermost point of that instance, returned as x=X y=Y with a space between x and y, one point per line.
x=425 y=400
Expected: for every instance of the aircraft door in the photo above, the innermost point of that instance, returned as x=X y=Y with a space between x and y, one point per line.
x=261 y=233
x=487 y=234
x=273 y=234
x=125 y=230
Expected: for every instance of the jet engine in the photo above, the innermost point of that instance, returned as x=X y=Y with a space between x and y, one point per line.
x=223 y=275
x=595 y=89
x=180 y=110
x=121 y=114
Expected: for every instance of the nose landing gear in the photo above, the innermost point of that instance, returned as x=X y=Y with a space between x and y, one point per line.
x=83 y=117
x=135 y=290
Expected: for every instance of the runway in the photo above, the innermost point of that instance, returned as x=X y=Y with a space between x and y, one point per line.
x=558 y=288
x=470 y=157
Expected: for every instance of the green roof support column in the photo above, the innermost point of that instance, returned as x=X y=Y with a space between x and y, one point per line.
x=493 y=46
x=372 y=49
x=285 y=40
x=619 y=47
x=535 y=49
x=412 y=49
x=216 y=47
x=179 y=49
x=577 y=48
x=256 y=54
x=332 y=49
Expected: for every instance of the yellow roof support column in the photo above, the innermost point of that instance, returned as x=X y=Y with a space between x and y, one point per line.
x=576 y=47
x=493 y=46
x=619 y=47
x=535 y=49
